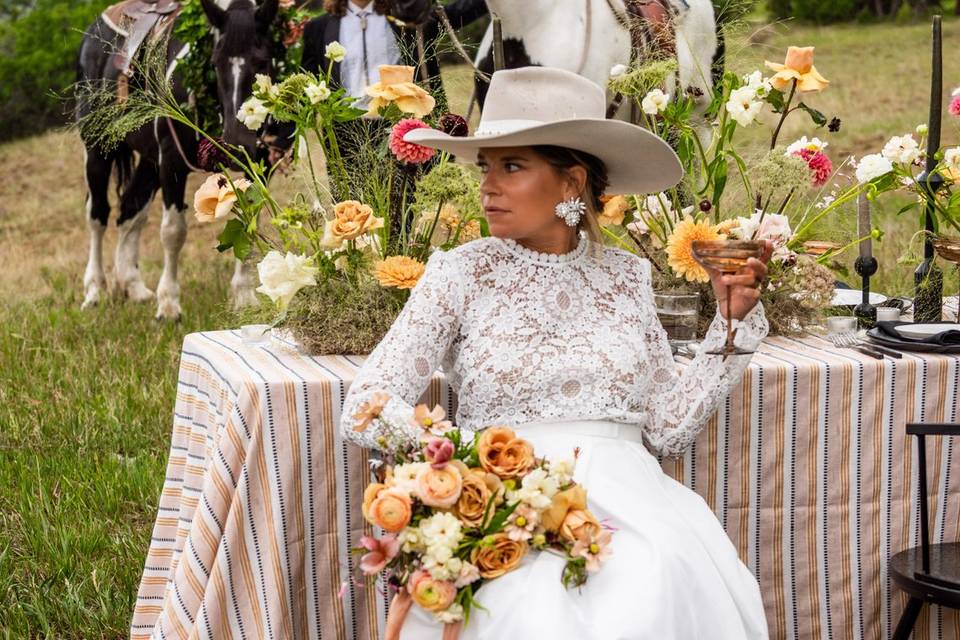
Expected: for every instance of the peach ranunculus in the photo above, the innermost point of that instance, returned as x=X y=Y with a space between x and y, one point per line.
x=479 y=487
x=387 y=507
x=370 y=410
x=614 y=210
x=397 y=86
x=499 y=556
x=401 y=272
x=432 y=420
x=431 y=594
x=439 y=487
x=504 y=454
x=577 y=523
x=572 y=499
x=351 y=219
x=215 y=197
x=797 y=66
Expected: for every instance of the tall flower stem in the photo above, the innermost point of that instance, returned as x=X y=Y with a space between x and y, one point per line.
x=783 y=115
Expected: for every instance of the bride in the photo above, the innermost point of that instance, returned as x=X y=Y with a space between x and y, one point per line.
x=542 y=328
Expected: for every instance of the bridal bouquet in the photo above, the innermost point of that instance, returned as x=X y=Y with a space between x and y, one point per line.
x=460 y=508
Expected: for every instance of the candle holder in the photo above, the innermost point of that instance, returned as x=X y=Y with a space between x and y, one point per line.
x=865 y=312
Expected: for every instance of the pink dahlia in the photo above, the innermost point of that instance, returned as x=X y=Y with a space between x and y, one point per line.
x=955 y=106
x=819 y=163
x=408 y=151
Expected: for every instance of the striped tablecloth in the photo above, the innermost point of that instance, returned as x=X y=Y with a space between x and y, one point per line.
x=806 y=465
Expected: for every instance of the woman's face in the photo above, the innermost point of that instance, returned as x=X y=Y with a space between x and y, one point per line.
x=520 y=190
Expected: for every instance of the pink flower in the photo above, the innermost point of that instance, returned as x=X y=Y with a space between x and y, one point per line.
x=594 y=546
x=438 y=452
x=521 y=524
x=819 y=163
x=955 y=106
x=408 y=151
x=380 y=552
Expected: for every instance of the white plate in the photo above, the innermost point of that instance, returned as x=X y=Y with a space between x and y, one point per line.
x=921 y=331
x=851 y=297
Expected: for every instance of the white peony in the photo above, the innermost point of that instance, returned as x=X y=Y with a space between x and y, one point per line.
x=317 y=92
x=442 y=565
x=871 y=167
x=453 y=613
x=336 y=51
x=743 y=106
x=252 y=113
x=654 y=102
x=951 y=159
x=281 y=277
x=442 y=529
x=618 y=70
x=812 y=144
x=902 y=149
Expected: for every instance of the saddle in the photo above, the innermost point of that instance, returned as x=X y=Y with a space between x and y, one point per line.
x=136 y=20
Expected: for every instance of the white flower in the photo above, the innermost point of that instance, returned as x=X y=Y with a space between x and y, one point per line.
x=955 y=93
x=654 y=102
x=823 y=204
x=252 y=113
x=405 y=476
x=618 y=70
x=951 y=159
x=262 y=84
x=281 y=277
x=743 y=107
x=441 y=564
x=411 y=540
x=774 y=227
x=902 y=149
x=562 y=470
x=453 y=613
x=442 y=529
x=335 y=51
x=757 y=83
x=922 y=129
x=813 y=144
x=871 y=167
x=317 y=92
x=469 y=573
x=537 y=489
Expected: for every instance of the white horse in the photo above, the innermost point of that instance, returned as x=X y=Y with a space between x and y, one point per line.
x=589 y=37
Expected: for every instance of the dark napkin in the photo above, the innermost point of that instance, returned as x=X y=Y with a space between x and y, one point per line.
x=946 y=338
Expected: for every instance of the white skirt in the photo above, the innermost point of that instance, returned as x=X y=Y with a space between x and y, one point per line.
x=673 y=574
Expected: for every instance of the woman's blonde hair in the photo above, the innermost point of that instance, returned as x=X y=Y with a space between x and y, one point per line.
x=562 y=158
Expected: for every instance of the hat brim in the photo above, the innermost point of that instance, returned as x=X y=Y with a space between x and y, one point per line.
x=637 y=161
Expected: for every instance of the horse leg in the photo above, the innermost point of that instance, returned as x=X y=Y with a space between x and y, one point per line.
x=241 y=285
x=97 y=176
x=134 y=209
x=173 y=235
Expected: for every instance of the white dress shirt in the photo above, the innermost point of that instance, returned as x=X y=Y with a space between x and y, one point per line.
x=381 y=48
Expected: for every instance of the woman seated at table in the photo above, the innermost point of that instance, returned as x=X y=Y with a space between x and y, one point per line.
x=542 y=328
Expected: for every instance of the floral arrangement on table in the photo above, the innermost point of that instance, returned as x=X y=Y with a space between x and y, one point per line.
x=789 y=190
x=459 y=508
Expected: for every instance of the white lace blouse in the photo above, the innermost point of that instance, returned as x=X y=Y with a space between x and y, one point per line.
x=524 y=336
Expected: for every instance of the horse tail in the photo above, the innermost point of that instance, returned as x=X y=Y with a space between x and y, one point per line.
x=122 y=159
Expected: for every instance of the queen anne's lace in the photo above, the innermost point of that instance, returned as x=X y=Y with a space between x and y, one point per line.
x=525 y=336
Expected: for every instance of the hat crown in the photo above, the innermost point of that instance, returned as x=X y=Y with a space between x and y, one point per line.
x=531 y=95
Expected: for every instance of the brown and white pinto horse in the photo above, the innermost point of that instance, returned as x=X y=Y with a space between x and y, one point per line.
x=160 y=155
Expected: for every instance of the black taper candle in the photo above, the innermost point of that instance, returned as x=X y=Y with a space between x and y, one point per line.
x=928 y=278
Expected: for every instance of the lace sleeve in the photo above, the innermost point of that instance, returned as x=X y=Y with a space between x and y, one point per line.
x=679 y=403
x=403 y=363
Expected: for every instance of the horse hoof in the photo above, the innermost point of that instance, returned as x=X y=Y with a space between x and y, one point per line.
x=92 y=300
x=168 y=310
x=138 y=292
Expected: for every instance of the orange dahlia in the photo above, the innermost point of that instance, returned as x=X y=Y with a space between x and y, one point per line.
x=401 y=272
x=680 y=248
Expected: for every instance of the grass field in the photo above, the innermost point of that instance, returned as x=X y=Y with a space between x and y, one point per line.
x=86 y=397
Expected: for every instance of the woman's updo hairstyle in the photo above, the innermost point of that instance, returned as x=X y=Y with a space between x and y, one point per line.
x=562 y=158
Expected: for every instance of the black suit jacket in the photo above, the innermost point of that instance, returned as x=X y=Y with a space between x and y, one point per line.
x=325 y=29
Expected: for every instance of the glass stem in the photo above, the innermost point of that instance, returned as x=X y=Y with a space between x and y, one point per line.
x=730 y=346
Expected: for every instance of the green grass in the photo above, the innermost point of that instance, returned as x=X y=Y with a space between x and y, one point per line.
x=86 y=397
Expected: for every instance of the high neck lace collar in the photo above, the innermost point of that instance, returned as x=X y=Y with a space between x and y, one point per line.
x=548 y=258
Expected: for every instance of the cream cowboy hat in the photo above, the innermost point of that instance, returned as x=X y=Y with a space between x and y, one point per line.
x=545 y=106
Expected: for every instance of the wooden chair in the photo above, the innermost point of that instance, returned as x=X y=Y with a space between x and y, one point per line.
x=928 y=573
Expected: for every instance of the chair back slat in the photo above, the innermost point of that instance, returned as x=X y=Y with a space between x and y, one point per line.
x=921 y=430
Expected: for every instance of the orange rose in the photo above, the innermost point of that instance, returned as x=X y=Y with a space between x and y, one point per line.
x=432 y=595
x=614 y=210
x=479 y=487
x=390 y=509
x=498 y=558
x=397 y=86
x=439 y=487
x=216 y=196
x=797 y=66
x=577 y=523
x=574 y=498
x=504 y=454
x=351 y=219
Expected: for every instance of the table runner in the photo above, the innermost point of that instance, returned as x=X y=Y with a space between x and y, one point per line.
x=806 y=465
